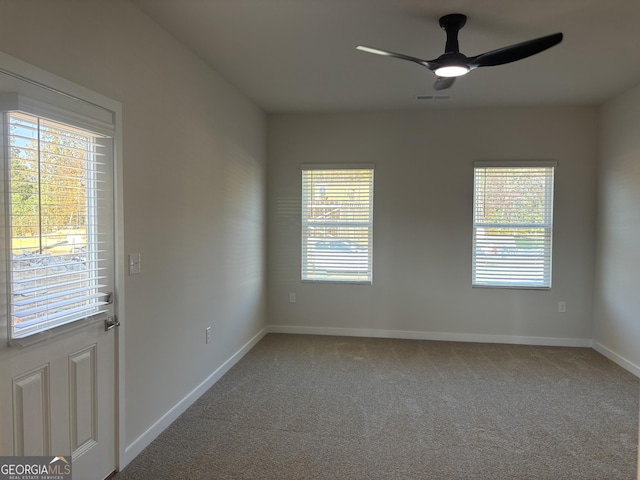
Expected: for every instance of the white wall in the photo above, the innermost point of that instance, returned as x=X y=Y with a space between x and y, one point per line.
x=617 y=305
x=194 y=189
x=423 y=224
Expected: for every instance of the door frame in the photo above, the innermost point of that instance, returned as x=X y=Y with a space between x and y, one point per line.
x=40 y=77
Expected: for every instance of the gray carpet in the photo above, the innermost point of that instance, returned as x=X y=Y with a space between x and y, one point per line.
x=315 y=407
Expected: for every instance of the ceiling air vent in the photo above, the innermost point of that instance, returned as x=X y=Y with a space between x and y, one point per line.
x=433 y=97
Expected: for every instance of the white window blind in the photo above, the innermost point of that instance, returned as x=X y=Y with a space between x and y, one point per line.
x=57 y=249
x=513 y=224
x=337 y=223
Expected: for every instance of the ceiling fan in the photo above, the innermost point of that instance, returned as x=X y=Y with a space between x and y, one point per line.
x=452 y=63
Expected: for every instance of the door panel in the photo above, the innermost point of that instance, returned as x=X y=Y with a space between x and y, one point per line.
x=31 y=414
x=83 y=395
x=63 y=400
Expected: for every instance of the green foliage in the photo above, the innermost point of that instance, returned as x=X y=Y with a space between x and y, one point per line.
x=511 y=196
x=48 y=178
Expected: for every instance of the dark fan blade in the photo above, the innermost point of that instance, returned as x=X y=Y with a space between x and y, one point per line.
x=515 y=52
x=386 y=53
x=443 y=83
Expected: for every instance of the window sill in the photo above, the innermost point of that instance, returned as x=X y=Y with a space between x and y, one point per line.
x=341 y=282
x=513 y=287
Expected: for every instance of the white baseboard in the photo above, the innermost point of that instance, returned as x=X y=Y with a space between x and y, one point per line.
x=620 y=360
x=441 y=336
x=144 y=440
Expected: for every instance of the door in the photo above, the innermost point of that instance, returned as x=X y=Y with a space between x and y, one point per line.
x=57 y=358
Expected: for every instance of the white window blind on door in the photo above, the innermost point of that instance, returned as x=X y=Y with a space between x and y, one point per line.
x=337 y=223
x=513 y=224
x=55 y=179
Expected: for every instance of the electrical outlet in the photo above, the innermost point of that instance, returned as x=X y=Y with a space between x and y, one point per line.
x=292 y=297
x=208 y=334
x=562 y=307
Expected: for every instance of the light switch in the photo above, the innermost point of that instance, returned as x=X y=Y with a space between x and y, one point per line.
x=134 y=263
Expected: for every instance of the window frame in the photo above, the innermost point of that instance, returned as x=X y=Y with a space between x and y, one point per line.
x=515 y=261
x=352 y=258
x=101 y=129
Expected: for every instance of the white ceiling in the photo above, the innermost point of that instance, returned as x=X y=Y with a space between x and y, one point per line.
x=299 y=55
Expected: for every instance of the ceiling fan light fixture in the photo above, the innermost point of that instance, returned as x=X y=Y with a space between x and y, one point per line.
x=452 y=71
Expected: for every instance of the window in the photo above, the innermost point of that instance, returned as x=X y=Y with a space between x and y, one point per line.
x=337 y=223
x=56 y=179
x=513 y=224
